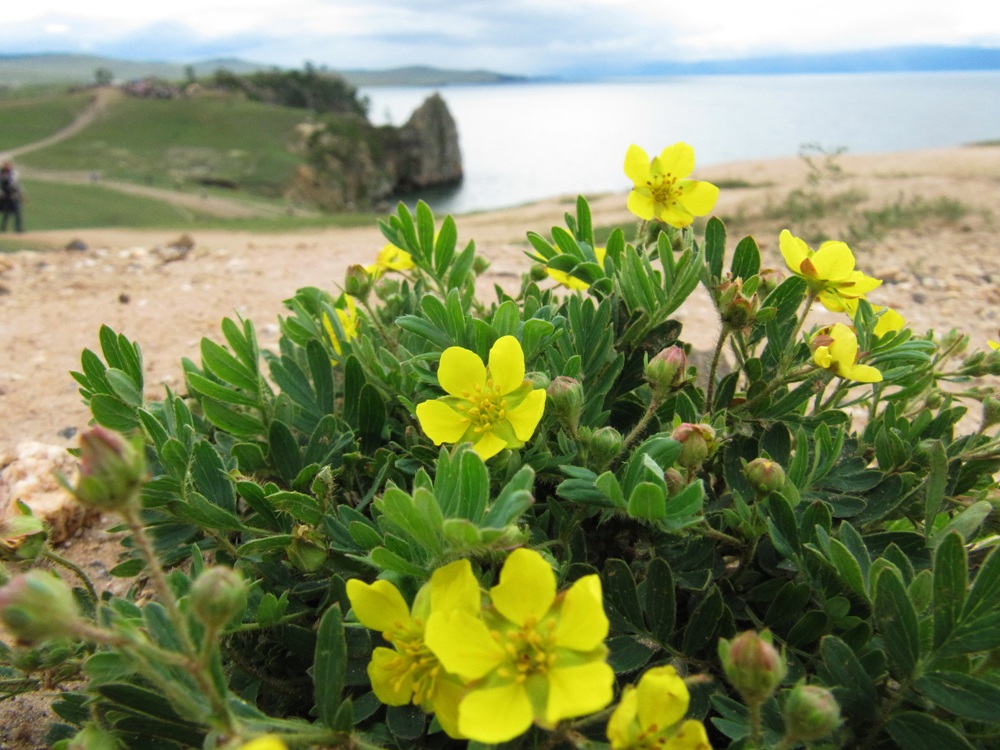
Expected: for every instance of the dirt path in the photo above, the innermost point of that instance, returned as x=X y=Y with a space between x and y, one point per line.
x=103 y=98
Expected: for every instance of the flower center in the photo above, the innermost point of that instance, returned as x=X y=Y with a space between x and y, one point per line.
x=530 y=649
x=663 y=189
x=415 y=662
x=485 y=407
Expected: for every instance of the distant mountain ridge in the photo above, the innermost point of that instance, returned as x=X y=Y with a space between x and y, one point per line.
x=40 y=69
x=36 y=69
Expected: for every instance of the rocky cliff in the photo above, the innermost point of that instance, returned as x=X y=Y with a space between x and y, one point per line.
x=350 y=164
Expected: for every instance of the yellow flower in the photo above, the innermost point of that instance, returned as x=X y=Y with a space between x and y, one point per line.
x=267 y=742
x=409 y=672
x=889 y=321
x=829 y=272
x=493 y=406
x=535 y=655
x=347 y=316
x=390 y=258
x=661 y=190
x=993 y=344
x=836 y=348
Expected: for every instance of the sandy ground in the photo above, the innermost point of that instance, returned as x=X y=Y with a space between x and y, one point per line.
x=937 y=273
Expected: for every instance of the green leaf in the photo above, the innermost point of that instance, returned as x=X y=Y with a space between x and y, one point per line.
x=702 y=628
x=238 y=423
x=917 y=731
x=301 y=507
x=715 y=246
x=648 y=501
x=199 y=510
x=848 y=568
x=284 y=451
x=406 y=722
x=205 y=387
x=934 y=485
x=387 y=560
x=966 y=523
x=661 y=600
x=746 y=259
x=371 y=418
x=113 y=413
x=963 y=695
x=329 y=665
x=210 y=475
x=897 y=622
x=621 y=592
x=226 y=367
x=856 y=694
x=951 y=578
x=124 y=387
x=627 y=654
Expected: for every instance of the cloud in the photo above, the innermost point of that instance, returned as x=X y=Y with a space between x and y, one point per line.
x=516 y=36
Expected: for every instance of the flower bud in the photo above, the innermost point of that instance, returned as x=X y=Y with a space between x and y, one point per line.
x=37 y=606
x=753 y=666
x=675 y=481
x=667 y=370
x=765 y=475
x=991 y=411
x=218 y=595
x=697 y=443
x=112 y=470
x=605 y=444
x=537 y=272
x=358 y=282
x=480 y=265
x=565 y=396
x=811 y=713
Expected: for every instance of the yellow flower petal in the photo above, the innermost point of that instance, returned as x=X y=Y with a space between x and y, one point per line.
x=448 y=695
x=993 y=344
x=506 y=364
x=378 y=606
x=524 y=417
x=527 y=587
x=637 y=165
x=575 y=691
x=495 y=714
x=690 y=736
x=676 y=161
x=793 y=250
x=697 y=197
x=391 y=677
x=583 y=626
x=641 y=203
x=663 y=697
x=440 y=422
x=862 y=373
x=844 y=349
x=673 y=213
x=889 y=321
x=822 y=357
x=833 y=260
x=620 y=725
x=566 y=280
x=488 y=445
x=460 y=370
x=455 y=587
x=462 y=643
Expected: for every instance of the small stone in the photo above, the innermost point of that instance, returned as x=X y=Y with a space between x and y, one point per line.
x=76 y=245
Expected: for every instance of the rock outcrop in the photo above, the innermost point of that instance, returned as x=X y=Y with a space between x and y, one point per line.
x=429 y=153
x=351 y=164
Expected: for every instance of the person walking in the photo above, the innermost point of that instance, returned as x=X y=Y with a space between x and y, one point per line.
x=10 y=197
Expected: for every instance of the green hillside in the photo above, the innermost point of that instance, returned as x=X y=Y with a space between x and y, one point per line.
x=178 y=142
x=28 y=119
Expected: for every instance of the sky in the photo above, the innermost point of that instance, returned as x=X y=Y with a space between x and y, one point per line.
x=523 y=37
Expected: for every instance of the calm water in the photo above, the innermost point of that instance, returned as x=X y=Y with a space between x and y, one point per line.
x=524 y=142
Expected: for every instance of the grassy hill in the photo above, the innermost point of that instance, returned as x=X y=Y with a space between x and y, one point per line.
x=174 y=154
x=178 y=142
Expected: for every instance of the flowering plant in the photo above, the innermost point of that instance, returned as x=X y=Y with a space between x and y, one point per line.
x=430 y=520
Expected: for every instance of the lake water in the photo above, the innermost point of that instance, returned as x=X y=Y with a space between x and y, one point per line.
x=525 y=142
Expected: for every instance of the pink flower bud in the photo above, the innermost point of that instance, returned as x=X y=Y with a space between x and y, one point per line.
x=753 y=666
x=811 y=713
x=697 y=443
x=112 y=469
x=765 y=475
x=37 y=606
x=666 y=371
